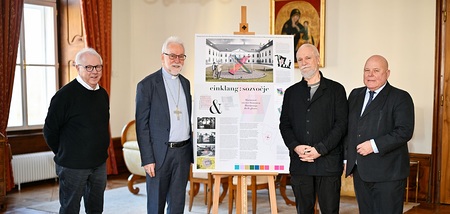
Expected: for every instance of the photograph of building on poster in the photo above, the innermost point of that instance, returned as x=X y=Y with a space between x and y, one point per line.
x=241 y=60
x=238 y=92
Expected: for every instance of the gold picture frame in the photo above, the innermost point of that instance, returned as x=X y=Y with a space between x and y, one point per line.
x=311 y=22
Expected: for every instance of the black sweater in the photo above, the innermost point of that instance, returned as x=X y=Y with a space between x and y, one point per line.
x=77 y=126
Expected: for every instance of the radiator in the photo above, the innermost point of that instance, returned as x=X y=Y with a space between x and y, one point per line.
x=33 y=167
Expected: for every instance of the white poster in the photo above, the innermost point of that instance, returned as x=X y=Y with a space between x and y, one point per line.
x=239 y=85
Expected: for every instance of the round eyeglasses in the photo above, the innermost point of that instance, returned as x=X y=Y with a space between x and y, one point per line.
x=90 y=68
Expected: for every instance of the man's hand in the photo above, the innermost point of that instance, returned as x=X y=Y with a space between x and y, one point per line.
x=364 y=148
x=302 y=149
x=309 y=155
x=306 y=153
x=150 y=169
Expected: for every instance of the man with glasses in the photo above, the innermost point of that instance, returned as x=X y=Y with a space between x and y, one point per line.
x=163 y=128
x=76 y=130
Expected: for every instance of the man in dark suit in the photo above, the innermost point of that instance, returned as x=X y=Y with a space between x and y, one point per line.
x=381 y=122
x=313 y=124
x=163 y=128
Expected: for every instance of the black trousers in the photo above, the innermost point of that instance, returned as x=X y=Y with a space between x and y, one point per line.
x=327 y=189
x=379 y=197
x=77 y=183
x=169 y=184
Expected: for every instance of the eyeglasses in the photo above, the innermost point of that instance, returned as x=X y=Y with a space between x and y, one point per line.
x=90 y=68
x=181 y=57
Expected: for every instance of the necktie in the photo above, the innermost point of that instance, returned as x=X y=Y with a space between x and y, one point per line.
x=371 y=93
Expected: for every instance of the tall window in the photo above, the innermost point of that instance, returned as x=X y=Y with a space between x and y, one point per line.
x=35 y=80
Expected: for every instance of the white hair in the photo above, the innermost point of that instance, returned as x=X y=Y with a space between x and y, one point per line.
x=84 y=51
x=172 y=39
x=314 y=49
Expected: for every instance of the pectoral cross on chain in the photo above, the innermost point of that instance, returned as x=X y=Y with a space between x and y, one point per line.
x=177 y=112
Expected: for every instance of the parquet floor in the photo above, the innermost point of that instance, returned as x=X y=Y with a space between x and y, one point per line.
x=44 y=191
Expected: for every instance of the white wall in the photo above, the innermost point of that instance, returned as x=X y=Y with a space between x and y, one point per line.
x=400 y=30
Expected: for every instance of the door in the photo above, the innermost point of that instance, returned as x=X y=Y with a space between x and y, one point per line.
x=441 y=145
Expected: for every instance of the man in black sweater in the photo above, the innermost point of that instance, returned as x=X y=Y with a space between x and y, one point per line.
x=76 y=130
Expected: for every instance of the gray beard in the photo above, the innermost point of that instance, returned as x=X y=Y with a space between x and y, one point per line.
x=308 y=74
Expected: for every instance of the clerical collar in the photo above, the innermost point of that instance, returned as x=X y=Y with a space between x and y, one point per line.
x=167 y=75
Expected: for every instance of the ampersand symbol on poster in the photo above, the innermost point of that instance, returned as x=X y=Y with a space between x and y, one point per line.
x=215 y=108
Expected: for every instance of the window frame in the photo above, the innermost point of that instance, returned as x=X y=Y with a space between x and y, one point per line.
x=22 y=65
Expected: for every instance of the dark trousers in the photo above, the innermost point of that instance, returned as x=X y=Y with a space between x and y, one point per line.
x=169 y=183
x=326 y=188
x=379 y=197
x=76 y=183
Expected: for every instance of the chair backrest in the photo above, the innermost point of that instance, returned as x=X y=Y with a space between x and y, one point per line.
x=197 y=176
x=257 y=179
x=129 y=132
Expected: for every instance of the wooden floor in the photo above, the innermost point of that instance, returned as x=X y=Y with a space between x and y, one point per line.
x=44 y=191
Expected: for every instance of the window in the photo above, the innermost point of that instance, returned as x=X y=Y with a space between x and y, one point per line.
x=35 y=80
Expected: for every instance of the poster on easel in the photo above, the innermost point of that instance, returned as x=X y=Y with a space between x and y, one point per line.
x=239 y=85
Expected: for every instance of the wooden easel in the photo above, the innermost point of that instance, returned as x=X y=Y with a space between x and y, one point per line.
x=241 y=193
x=243 y=26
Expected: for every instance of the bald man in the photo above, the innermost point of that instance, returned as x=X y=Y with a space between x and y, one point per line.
x=381 y=122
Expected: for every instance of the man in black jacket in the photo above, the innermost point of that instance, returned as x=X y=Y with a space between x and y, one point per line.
x=313 y=123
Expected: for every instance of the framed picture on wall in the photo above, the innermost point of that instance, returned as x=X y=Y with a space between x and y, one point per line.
x=304 y=19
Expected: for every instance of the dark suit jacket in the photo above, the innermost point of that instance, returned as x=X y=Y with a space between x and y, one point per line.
x=321 y=122
x=153 y=119
x=389 y=120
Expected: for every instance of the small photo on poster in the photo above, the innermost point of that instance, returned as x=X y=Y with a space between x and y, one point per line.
x=205 y=162
x=206 y=122
x=206 y=137
x=206 y=150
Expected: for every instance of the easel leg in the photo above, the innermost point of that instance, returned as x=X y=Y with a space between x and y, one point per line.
x=216 y=194
x=244 y=194
x=272 y=195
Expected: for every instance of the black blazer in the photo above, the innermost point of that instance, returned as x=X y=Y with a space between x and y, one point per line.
x=320 y=122
x=389 y=120
x=153 y=118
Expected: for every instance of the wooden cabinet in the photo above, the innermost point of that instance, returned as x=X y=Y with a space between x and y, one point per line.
x=2 y=173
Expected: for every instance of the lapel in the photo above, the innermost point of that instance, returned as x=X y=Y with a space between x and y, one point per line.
x=360 y=100
x=161 y=92
x=303 y=94
x=319 y=91
x=187 y=93
x=379 y=100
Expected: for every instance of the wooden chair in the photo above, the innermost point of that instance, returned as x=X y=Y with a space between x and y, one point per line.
x=254 y=183
x=197 y=178
x=285 y=178
x=131 y=155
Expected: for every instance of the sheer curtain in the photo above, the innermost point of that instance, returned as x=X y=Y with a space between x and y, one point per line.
x=97 y=25
x=11 y=15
